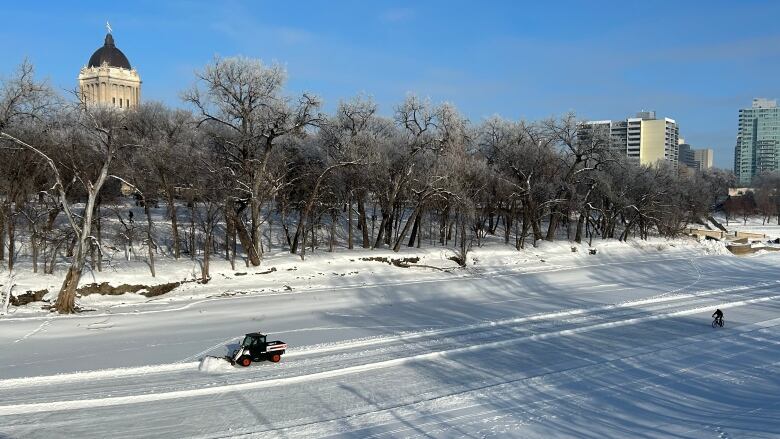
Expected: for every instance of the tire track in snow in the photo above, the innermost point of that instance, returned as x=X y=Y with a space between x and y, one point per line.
x=19 y=409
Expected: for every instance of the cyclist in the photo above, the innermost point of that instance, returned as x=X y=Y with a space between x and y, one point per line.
x=718 y=316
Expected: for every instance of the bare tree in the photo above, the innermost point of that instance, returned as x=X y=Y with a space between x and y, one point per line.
x=240 y=104
x=87 y=145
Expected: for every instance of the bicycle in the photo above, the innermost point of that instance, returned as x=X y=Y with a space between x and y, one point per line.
x=717 y=323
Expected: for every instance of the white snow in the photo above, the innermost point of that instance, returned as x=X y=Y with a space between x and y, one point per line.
x=540 y=343
x=215 y=365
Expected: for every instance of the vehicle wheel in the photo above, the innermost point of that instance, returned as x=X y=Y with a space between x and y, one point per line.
x=275 y=358
x=245 y=361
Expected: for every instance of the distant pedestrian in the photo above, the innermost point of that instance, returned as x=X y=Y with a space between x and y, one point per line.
x=130 y=215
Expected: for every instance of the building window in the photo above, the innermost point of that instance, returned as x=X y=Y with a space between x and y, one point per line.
x=113 y=100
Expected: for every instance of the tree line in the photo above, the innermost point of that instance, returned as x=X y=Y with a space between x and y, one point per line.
x=761 y=199
x=243 y=161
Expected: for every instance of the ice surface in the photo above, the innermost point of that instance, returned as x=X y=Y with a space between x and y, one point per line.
x=539 y=343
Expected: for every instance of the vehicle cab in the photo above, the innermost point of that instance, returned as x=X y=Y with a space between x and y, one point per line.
x=256 y=347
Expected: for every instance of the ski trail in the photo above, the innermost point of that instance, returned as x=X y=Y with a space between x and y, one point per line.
x=40 y=328
x=19 y=409
x=698 y=278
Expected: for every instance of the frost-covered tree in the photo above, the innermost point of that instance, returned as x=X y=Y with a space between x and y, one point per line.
x=241 y=105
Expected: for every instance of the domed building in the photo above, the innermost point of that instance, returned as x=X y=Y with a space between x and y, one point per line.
x=108 y=78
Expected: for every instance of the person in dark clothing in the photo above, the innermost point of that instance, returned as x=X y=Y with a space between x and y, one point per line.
x=718 y=316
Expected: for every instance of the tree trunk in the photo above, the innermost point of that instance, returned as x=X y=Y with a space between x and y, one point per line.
x=332 y=237
x=580 y=223
x=552 y=227
x=362 y=222
x=463 y=239
x=393 y=224
x=2 y=235
x=420 y=233
x=66 y=300
x=627 y=230
x=303 y=246
x=300 y=229
x=11 y=224
x=382 y=229
x=150 y=245
x=98 y=233
x=254 y=213
x=192 y=231
x=349 y=224
x=286 y=232
x=508 y=220
x=443 y=225
x=415 y=229
x=227 y=236
x=204 y=278
x=233 y=248
x=35 y=250
x=174 y=226
x=527 y=224
x=313 y=236
x=246 y=242
x=408 y=224
x=492 y=223
x=529 y=212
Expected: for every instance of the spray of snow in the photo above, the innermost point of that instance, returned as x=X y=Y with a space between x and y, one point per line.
x=214 y=365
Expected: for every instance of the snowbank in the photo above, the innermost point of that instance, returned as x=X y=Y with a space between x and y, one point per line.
x=284 y=274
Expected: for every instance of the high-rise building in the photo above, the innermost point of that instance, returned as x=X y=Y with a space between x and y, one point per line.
x=758 y=140
x=703 y=158
x=108 y=79
x=685 y=154
x=698 y=159
x=644 y=139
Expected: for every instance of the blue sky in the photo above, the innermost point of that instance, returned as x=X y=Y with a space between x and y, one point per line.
x=695 y=61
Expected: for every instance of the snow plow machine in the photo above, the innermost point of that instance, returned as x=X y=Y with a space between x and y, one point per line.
x=255 y=348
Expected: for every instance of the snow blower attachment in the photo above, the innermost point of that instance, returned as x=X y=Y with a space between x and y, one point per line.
x=256 y=348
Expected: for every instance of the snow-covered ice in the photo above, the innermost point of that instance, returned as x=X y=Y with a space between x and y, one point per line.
x=546 y=342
